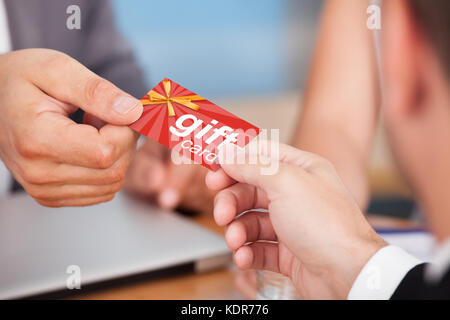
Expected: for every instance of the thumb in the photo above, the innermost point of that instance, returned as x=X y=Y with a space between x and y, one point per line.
x=248 y=165
x=69 y=81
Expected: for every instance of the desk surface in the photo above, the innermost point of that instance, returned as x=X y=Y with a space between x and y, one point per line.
x=212 y=285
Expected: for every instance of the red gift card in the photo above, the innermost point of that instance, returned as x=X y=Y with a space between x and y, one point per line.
x=194 y=126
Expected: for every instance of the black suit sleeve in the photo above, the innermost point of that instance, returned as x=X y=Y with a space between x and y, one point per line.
x=414 y=287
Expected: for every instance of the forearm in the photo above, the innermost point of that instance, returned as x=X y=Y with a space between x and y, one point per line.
x=341 y=100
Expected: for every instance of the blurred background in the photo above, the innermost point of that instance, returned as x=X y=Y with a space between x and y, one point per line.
x=222 y=48
x=248 y=57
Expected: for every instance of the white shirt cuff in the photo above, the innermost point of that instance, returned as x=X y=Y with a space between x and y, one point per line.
x=382 y=274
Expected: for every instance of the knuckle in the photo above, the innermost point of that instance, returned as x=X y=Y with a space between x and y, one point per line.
x=109 y=197
x=45 y=58
x=117 y=174
x=53 y=59
x=57 y=57
x=37 y=193
x=27 y=149
x=34 y=176
x=94 y=88
x=288 y=176
x=104 y=158
x=286 y=173
x=117 y=187
x=324 y=162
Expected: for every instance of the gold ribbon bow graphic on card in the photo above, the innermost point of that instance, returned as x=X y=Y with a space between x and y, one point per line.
x=157 y=98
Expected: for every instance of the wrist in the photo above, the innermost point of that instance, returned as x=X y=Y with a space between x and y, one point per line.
x=356 y=255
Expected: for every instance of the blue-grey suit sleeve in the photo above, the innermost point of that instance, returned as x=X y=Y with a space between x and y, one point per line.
x=107 y=53
x=98 y=44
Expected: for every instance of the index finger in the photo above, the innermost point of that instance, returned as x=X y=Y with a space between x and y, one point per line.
x=80 y=144
x=67 y=80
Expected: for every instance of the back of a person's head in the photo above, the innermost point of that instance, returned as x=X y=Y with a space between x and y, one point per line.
x=416 y=99
x=434 y=18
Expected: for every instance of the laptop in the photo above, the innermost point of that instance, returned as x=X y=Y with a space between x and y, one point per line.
x=56 y=250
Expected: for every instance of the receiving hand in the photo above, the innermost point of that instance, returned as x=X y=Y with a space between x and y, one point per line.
x=153 y=174
x=314 y=232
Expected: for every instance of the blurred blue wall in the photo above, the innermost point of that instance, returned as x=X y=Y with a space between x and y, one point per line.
x=215 y=48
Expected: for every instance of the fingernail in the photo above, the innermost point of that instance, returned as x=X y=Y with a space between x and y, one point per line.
x=169 y=198
x=125 y=104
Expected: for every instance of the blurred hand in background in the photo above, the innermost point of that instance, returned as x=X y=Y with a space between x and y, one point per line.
x=153 y=174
